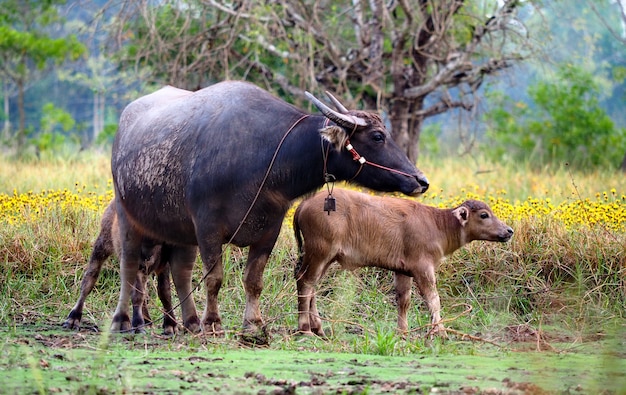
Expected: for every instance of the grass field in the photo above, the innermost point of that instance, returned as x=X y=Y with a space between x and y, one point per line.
x=556 y=291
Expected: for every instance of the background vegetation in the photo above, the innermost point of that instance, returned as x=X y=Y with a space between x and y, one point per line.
x=509 y=80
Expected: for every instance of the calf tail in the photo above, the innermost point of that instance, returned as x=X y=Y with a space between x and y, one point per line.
x=298 y=235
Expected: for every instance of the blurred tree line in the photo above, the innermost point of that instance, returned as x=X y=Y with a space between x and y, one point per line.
x=541 y=81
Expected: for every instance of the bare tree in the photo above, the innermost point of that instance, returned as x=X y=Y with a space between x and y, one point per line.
x=411 y=59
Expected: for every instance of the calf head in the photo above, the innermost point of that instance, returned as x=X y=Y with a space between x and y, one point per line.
x=368 y=152
x=479 y=222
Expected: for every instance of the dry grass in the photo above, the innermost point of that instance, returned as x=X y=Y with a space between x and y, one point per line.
x=559 y=263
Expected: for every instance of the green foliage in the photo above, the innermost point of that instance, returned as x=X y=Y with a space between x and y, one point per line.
x=27 y=44
x=107 y=134
x=565 y=124
x=429 y=139
x=54 y=118
x=23 y=38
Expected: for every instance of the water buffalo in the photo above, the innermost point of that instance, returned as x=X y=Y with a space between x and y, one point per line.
x=153 y=260
x=401 y=235
x=223 y=165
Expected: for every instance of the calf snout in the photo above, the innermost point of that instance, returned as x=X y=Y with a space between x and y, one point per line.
x=506 y=234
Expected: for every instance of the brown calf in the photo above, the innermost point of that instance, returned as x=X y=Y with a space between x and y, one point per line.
x=401 y=235
x=154 y=259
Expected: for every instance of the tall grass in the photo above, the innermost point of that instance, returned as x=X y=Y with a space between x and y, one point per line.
x=551 y=275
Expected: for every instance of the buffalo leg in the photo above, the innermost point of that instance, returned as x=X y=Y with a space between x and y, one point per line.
x=213 y=273
x=138 y=301
x=403 y=285
x=182 y=261
x=253 y=281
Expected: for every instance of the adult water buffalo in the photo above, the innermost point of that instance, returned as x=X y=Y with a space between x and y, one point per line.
x=222 y=165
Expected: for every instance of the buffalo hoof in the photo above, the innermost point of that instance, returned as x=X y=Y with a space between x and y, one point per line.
x=192 y=325
x=139 y=330
x=121 y=324
x=213 y=328
x=170 y=326
x=255 y=337
x=169 y=331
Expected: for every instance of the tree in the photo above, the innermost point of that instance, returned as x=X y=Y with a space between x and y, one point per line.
x=411 y=59
x=26 y=46
x=564 y=124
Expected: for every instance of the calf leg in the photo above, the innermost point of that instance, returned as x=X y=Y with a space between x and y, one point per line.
x=150 y=261
x=426 y=283
x=102 y=249
x=308 y=273
x=165 y=295
x=403 y=285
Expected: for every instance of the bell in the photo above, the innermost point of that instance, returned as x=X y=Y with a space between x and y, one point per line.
x=329 y=204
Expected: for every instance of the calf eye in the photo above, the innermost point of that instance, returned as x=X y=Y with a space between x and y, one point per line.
x=484 y=215
x=378 y=137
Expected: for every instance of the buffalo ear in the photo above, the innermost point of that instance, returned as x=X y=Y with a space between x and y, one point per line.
x=335 y=135
x=462 y=214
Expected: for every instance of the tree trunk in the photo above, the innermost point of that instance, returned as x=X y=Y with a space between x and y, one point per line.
x=6 y=130
x=406 y=127
x=623 y=166
x=21 y=132
x=98 y=117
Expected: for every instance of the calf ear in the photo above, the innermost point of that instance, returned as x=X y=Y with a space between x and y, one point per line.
x=462 y=214
x=335 y=135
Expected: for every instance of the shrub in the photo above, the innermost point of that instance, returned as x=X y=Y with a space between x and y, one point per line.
x=564 y=124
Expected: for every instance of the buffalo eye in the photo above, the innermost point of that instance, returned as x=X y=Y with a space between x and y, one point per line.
x=378 y=137
x=484 y=215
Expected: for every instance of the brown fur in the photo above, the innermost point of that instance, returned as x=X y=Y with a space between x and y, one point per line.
x=154 y=259
x=401 y=235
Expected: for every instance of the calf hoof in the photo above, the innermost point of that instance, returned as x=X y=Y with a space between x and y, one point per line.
x=437 y=331
x=319 y=332
x=71 y=324
x=73 y=320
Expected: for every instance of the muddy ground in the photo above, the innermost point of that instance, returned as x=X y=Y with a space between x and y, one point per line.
x=40 y=357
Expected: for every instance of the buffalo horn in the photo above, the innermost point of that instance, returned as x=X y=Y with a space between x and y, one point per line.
x=337 y=103
x=343 y=120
